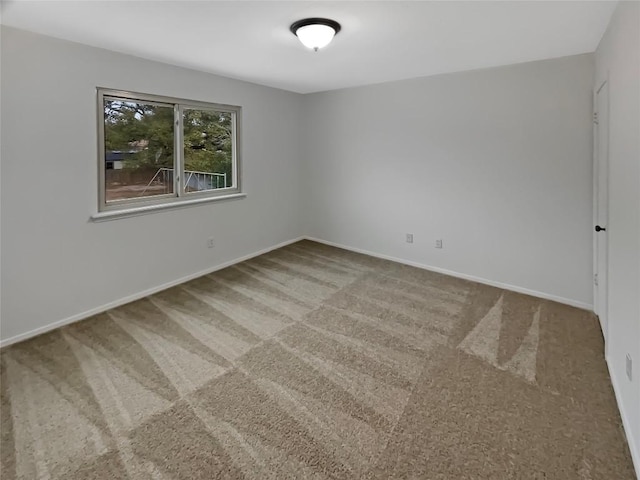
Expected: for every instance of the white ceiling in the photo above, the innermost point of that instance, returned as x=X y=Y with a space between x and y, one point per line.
x=380 y=41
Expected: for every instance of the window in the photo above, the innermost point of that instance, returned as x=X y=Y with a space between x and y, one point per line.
x=162 y=151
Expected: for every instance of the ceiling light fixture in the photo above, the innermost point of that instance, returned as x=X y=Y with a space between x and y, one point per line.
x=315 y=33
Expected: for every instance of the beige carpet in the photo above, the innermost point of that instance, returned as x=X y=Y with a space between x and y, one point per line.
x=313 y=362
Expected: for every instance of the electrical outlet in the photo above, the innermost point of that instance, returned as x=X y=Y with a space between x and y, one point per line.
x=629 y=367
x=439 y=243
x=211 y=242
x=409 y=237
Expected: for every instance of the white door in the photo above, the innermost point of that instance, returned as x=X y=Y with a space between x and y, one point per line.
x=600 y=206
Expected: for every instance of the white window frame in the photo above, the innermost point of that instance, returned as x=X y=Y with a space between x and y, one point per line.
x=179 y=197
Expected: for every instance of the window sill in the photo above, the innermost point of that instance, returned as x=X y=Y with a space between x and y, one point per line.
x=135 y=211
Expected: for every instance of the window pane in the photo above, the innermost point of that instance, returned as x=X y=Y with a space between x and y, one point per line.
x=138 y=146
x=208 y=150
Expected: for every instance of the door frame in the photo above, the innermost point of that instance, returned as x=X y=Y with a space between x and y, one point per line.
x=600 y=278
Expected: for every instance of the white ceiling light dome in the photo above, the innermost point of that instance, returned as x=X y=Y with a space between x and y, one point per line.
x=315 y=33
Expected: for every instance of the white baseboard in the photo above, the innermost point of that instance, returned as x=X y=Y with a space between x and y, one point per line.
x=151 y=291
x=473 y=278
x=138 y=296
x=633 y=446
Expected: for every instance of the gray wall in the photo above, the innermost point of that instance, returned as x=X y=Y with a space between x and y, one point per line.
x=496 y=163
x=618 y=61
x=56 y=263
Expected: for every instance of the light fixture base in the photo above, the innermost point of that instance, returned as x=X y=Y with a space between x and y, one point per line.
x=315 y=21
